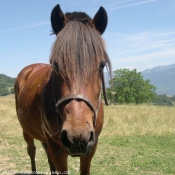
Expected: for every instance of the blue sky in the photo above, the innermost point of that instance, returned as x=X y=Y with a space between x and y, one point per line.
x=140 y=33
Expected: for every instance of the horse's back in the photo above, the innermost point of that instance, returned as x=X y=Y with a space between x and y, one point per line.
x=29 y=87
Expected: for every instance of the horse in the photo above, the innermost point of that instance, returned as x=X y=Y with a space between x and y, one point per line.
x=60 y=103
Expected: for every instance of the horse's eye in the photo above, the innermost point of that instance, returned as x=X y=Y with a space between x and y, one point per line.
x=55 y=66
x=102 y=65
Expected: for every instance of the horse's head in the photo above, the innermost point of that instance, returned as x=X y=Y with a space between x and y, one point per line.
x=78 y=58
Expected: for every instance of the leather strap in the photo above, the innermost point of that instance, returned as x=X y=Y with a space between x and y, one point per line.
x=78 y=97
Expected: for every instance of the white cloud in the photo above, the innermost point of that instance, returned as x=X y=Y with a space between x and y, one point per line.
x=26 y=26
x=114 y=7
x=141 y=48
x=169 y=53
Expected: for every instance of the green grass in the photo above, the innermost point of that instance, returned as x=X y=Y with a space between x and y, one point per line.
x=145 y=154
x=136 y=139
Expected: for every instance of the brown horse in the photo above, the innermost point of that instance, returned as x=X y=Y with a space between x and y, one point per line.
x=60 y=103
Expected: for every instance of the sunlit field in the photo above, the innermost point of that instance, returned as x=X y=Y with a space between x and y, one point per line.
x=136 y=139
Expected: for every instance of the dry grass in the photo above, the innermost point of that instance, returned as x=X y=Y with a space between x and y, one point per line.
x=123 y=119
x=8 y=118
x=128 y=120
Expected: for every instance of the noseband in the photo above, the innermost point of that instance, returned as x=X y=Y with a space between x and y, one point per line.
x=82 y=98
x=78 y=97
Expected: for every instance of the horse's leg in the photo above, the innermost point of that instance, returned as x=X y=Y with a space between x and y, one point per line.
x=52 y=167
x=30 y=149
x=85 y=162
x=58 y=156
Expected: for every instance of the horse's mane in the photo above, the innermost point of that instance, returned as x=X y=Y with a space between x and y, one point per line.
x=78 y=49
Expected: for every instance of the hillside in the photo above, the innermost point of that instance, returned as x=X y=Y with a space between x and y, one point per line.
x=6 y=80
x=6 y=85
x=163 y=77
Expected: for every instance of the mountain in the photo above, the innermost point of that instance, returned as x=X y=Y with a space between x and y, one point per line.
x=163 y=78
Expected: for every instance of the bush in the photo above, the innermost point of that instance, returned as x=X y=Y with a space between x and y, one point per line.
x=4 y=91
x=163 y=100
x=12 y=91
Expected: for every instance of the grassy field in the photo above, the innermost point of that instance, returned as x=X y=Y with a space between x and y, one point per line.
x=135 y=140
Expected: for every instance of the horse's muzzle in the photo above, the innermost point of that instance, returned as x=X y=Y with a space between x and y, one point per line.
x=78 y=146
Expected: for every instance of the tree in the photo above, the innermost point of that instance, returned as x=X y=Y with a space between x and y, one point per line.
x=130 y=87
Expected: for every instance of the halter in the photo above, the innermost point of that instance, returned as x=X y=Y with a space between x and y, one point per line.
x=82 y=98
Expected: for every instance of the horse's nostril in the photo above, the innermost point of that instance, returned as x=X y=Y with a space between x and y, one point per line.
x=91 y=136
x=91 y=139
x=64 y=138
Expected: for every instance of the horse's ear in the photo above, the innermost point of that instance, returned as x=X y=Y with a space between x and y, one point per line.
x=57 y=19
x=100 y=20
